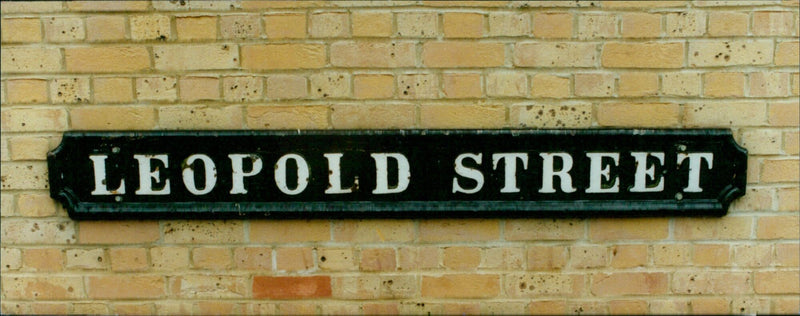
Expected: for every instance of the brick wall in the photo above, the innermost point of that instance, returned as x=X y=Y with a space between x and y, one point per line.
x=165 y=65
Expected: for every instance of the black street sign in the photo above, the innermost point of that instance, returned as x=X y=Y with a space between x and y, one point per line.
x=397 y=173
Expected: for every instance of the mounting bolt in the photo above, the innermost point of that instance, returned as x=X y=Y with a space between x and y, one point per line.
x=678 y=196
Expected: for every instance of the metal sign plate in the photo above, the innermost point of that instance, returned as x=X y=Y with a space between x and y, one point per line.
x=397 y=173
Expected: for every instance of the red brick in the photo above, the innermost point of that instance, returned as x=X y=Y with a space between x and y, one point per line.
x=291 y=287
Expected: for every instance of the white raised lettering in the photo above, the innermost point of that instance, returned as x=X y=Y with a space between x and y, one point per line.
x=238 y=173
x=147 y=176
x=471 y=173
x=563 y=174
x=597 y=172
x=335 y=175
x=510 y=160
x=210 y=171
x=382 y=173
x=100 y=188
x=695 y=163
x=643 y=171
x=302 y=174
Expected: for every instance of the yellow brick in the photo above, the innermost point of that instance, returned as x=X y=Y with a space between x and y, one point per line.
x=253 y=258
x=546 y=258
x=643 y=4
x=685 y=24
x=43 y=260
x=785 y=305
x=212 y=258
x=509 y=24
x=777 y=282
x=695 y=282
x=671 y=255
x=538 y=229
x=787 y=54
x=196 y=57
x=462 y=116
x=118 y=232
x=150 y=27
x=593 y=26
x=203 y=231
x=104 y=28
x=796 y=84
x=638 y=84
x=629 y=283
x=641 y=25
x=191 y=28
x=112 y=90
x=378 y=259
x=10 y=259
x=713 y=228
x=584 y=257
x=136 y=287
x=791 y=143
x=26 y=91
x=787 y=255
x=555 y=54
x=550 y=86
x=196 y=6
x=242 y=88
x=726 y=23
x=373 y=55
x=337 y=259
x=88 y=6
x=199 y=88
x=723 y=84
x=66 y=29
x=485 y=4
x=157 y=89
x=35 y=205
x=283 y=56
x=628 y=307
x=752 y=255
x=769 y=84
x=240 y=26
x=538 y=284
x=31 y=7
x=552 y=116
x=90 y=308
x=37 y=231
x=503 y=258
x=290 y=231
x=461 y=286
x=730 y=53
x=33 y=120
x=418 y=86
x=286 y=87
x=358 y=116
x=461 y=258
x=294 y=259
x=552 y=24
x=680 y=84
x=462 y=85
x=169 y=258
x=462 y=25
x=86 y=259
x=638 y=114
x=629 y=256
x=643 y=55
x=112 y=117
x=42 y=287
x=780 y=170
x=762 y=141
x=417 y=24
x=462 y=54
x=30 y=59
x=713 y=255
x=330 y=24
x=725 y=114
x=24 y=30
x=372 y=24
x=330 y=84
x=459 y=230
x=200 y=117
x=7 y=205
x=616 y=229
x=128 y=259
x=547 y=308
x=288 y=25
x=70 y=90
x=106 y=59
x=773 y=23
x=369 y=86
x=594 y=85
x=506 y=84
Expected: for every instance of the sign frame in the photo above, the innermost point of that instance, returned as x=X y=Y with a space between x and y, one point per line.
x=131 y=206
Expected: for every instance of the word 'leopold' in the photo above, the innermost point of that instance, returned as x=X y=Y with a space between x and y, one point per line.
x=468 y=178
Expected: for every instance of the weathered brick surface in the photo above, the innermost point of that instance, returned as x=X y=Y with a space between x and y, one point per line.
x=221 y=65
